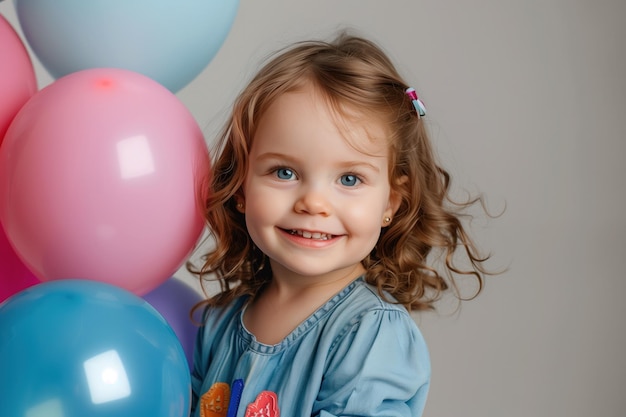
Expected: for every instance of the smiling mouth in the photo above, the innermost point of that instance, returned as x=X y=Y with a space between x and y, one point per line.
x=310 y=235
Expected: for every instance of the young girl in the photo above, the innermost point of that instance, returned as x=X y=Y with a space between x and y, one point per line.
x=325 y=203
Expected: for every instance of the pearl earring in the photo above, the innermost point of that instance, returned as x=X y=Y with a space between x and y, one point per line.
x=387 y=219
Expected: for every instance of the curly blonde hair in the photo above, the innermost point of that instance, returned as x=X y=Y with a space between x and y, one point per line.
x=352 y=73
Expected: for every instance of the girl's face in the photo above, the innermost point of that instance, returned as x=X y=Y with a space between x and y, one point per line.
x=314 y=203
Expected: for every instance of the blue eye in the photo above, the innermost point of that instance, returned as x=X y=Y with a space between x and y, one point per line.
x=284 y=173
x=349 y=180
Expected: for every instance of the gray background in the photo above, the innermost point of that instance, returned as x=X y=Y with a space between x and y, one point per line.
x=526 y=102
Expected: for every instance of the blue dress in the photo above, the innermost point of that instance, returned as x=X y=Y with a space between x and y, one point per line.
x=357 y=355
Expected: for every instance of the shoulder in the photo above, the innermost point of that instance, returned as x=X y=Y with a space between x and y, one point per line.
x=378 y=360
x=365 y=320
x=362 y=303
x=216 y=319
x=219 y=324
x=372 y=298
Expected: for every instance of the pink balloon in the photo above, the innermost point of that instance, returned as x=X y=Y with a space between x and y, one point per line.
x=14 y=276
x=99 y=174
x=17 y=76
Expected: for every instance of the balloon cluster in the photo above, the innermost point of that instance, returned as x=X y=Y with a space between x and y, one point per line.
x=99 y=177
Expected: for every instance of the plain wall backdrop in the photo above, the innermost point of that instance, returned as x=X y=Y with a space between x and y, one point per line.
x=526 y=103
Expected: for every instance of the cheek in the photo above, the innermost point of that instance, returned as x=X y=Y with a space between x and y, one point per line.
x=375 y=205
x=365 y=218
x=256 y=216
x=262 y=206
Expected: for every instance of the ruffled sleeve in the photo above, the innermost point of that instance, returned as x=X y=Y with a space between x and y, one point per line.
x=199 y=368
x=378 y=366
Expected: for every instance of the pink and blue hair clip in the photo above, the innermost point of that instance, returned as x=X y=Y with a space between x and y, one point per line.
x=417 y=103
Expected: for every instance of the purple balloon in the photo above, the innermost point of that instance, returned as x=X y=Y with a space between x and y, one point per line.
x=174 y=299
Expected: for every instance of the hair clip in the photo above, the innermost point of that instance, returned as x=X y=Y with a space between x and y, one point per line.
x=417 y=103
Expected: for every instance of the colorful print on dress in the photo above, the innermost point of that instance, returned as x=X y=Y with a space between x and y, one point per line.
x=265 y=405
x=235 y=397
x=214 y=402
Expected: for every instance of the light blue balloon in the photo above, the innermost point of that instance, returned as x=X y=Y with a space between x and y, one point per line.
x=76 y=348
x=169 y=41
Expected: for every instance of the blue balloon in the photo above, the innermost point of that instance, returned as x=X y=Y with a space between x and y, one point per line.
x=76 y=348
x=169 y=41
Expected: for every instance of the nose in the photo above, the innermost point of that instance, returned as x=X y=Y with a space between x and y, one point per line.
x=314 y=201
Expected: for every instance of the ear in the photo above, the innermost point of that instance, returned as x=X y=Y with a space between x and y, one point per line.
x=395 y=199
x=240 y=203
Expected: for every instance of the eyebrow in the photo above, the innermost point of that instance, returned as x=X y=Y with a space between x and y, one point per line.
x=348 y=165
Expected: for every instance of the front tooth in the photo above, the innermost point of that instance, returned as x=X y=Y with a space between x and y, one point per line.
x=308 y=235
